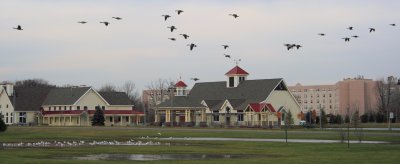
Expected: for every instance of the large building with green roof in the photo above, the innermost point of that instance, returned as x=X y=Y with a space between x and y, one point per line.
x=234 y=102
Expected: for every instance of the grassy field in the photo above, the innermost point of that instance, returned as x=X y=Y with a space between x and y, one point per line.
x=259 y=152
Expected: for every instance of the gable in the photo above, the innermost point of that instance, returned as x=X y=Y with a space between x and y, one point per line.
x=91 y=99
x=4 y=101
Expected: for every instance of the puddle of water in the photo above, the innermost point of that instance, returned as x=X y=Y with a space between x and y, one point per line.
x=151 y=157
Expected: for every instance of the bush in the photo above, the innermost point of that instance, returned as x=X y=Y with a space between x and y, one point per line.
x=3 y=126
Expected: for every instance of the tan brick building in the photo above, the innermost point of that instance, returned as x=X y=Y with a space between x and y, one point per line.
x=350 y=93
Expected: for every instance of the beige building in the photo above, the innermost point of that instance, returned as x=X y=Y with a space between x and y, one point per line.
x=76 y=106
x=234 y=102
x=351 y=93
x=72 y=106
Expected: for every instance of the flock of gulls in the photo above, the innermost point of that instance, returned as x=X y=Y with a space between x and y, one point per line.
x=81 y=143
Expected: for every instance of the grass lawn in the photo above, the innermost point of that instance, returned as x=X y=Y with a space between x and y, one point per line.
x=260 y=152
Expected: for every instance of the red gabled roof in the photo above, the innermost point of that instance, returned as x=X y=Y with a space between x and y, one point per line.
x=257 y=107
x=180 y=84
x=237 y=71
x=271 y=108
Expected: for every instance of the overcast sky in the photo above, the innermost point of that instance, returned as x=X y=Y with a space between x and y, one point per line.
x=53 y=46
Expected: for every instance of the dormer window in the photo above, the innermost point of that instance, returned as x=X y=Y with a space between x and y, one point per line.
x=241 y=78
x=231 y=81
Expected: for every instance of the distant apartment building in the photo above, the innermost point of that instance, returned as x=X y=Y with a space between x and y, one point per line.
x=350 y=93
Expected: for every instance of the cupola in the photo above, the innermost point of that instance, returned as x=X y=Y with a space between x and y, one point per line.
x=235 y=76
x=180 y=88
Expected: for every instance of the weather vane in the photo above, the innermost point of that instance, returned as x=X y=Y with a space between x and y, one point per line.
x=237 y=61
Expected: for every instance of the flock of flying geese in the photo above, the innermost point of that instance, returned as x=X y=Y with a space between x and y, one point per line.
x=186 y=36
x=192 y=45
x=346 y=39
x=172 y=29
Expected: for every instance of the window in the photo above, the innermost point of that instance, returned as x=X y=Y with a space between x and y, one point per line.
x=228 y=110
x=78 y=107
x=111 y=119
x=55 y=108
x=70 y=107
x=65 y=107
x=103 y=107
x=59 y=108
x=49 y=108
x=7 y=106
x=22 y=117
x=216 y=115
x=231 y=81
x=11 y=118
x=127 y=118
x=241 y=79
x=6 y=117
x=240 y=117
x=84 y=107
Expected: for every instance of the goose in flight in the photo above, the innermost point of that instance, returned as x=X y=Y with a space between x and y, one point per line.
x=172 y=28
x=289 y=46
x=371 y=30
x=227 y=56
x=185 y=36
x=346 y=39
x=225 y=46
x=166 y=17
x=234 y=15
x=179 y=11
x=192 y=45
x=18 y=28
x=105 y=23
x=194 y=78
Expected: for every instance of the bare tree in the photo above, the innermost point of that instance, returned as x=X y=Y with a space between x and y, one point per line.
x=108 y=88
x=130 y=89
x=157 y=92
x=36 y=82
x=388 y=96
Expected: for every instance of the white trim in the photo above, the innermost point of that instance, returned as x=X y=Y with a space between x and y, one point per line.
x=94 y=92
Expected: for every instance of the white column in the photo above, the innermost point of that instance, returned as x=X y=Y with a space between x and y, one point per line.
x=70 y=120
x=120 y=123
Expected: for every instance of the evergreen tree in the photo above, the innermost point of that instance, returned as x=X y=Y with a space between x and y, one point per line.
x=289 y=118
x=3 y=126
x=98 y=117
